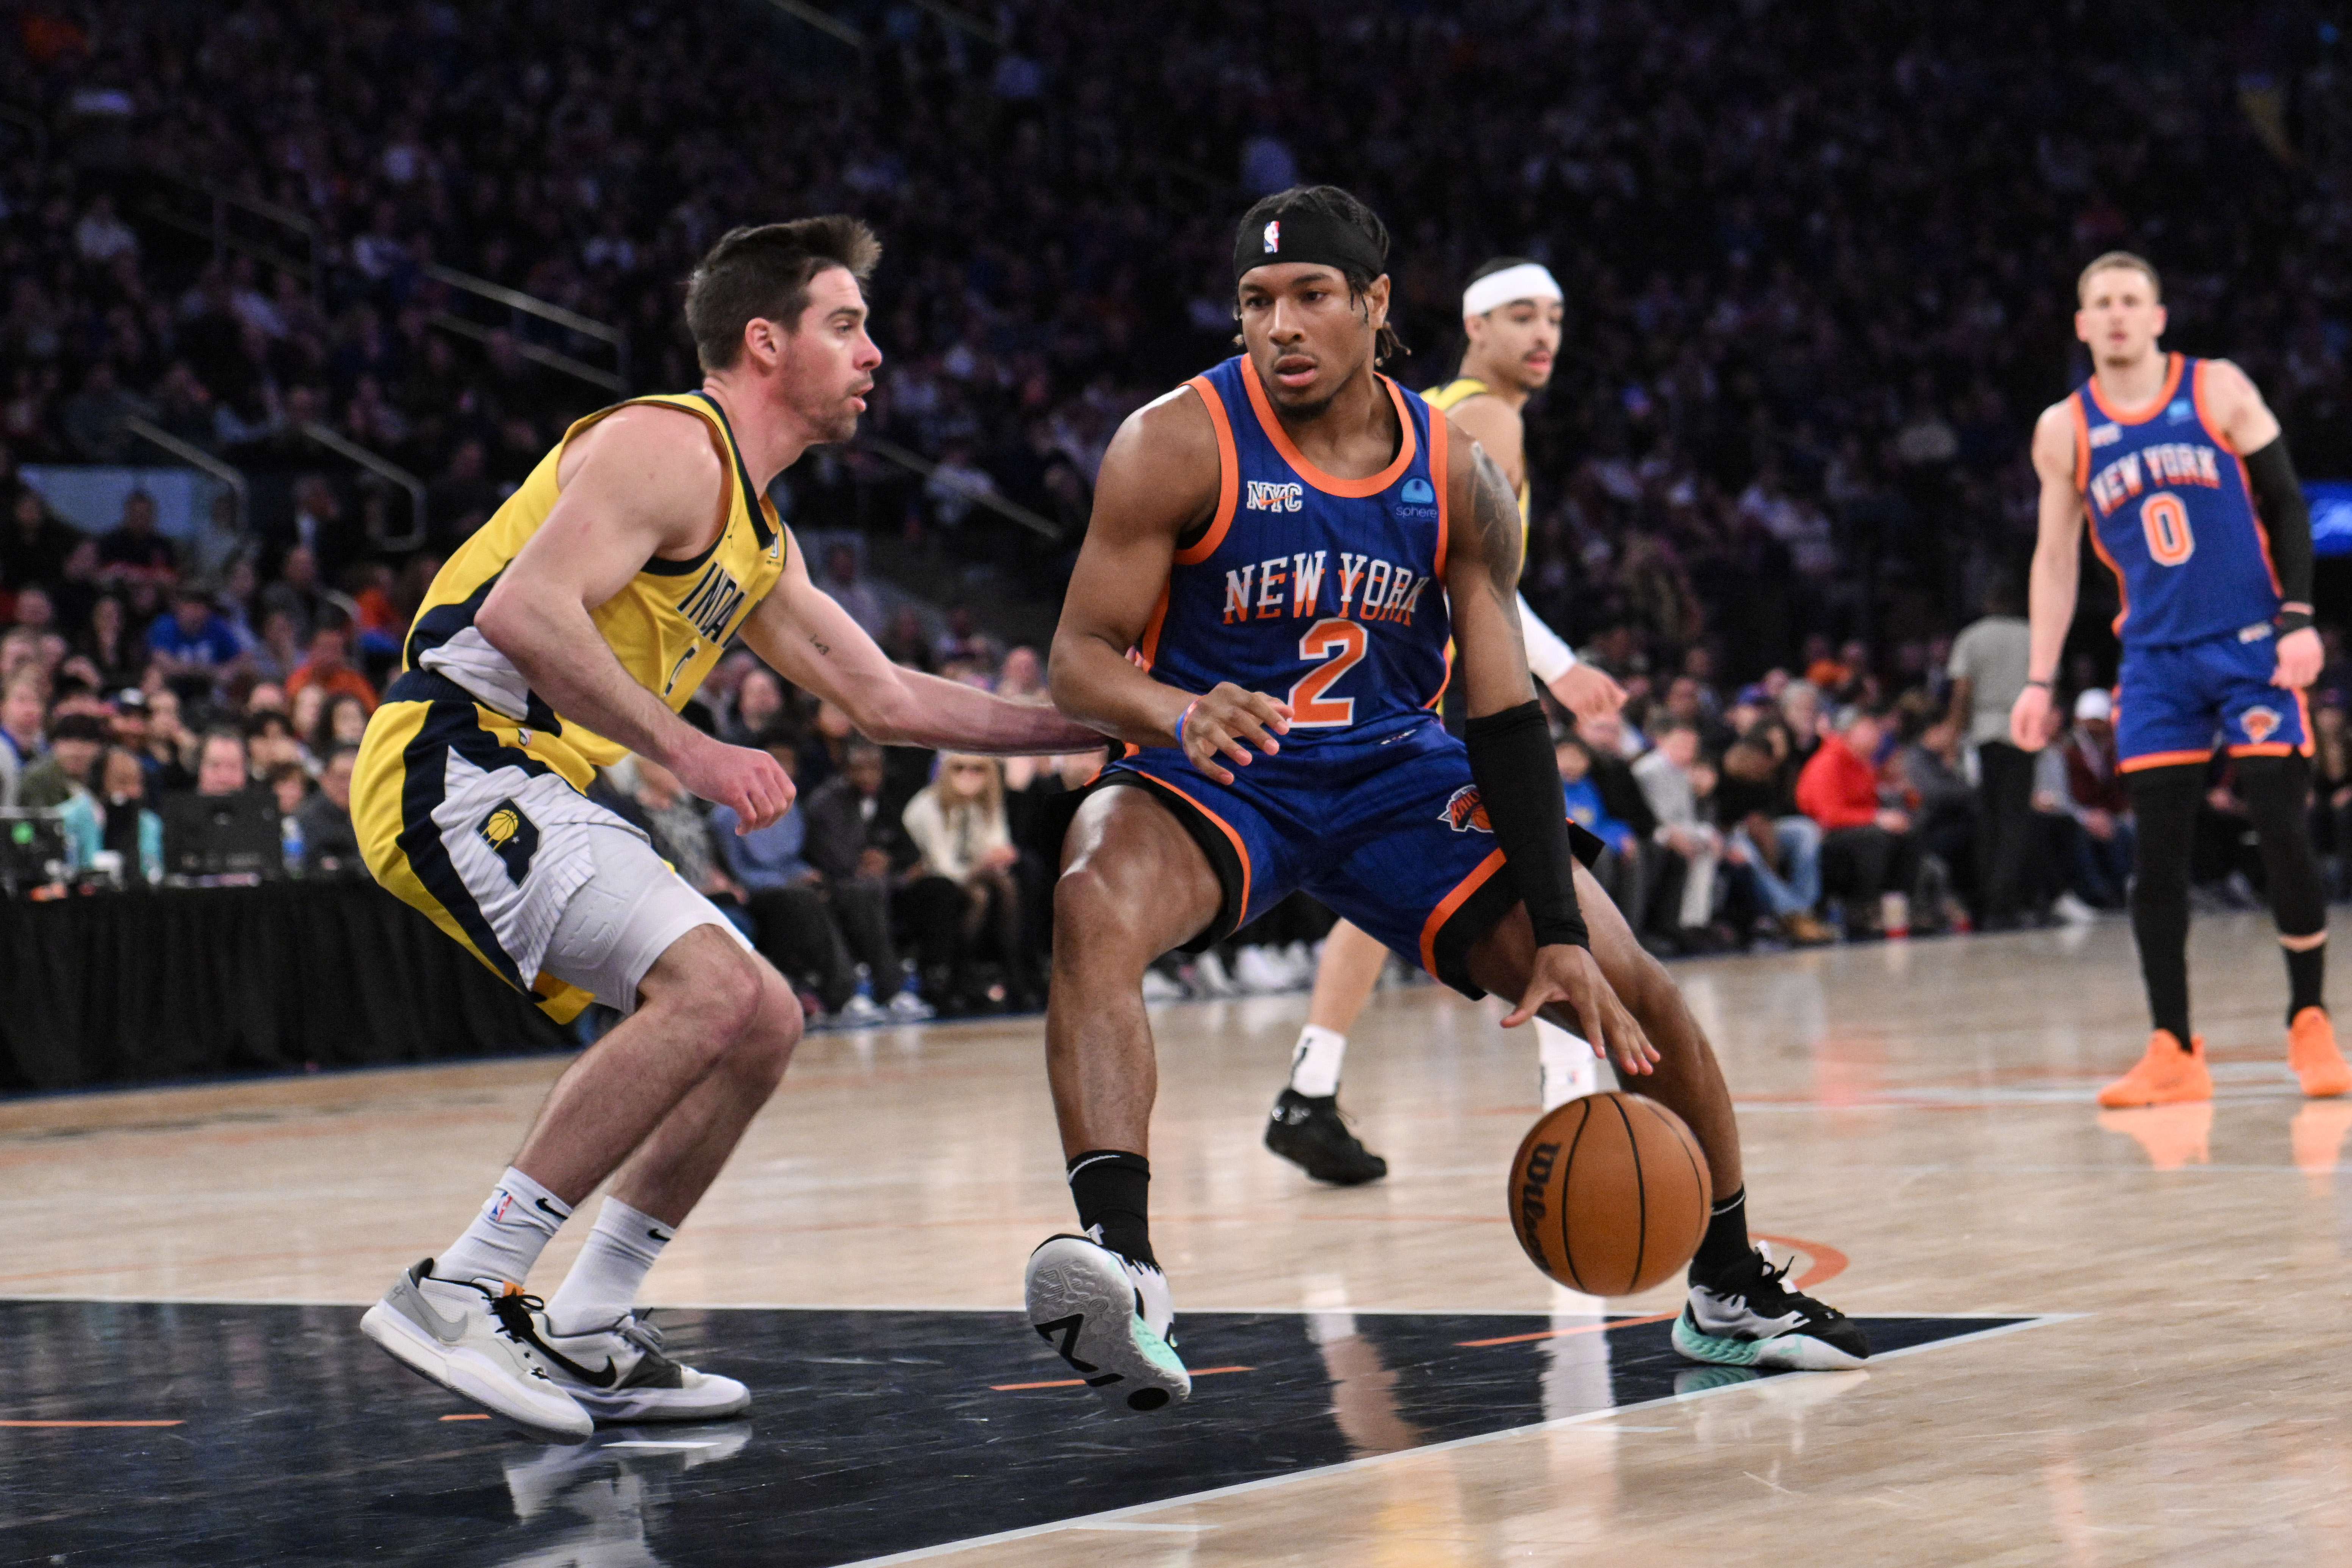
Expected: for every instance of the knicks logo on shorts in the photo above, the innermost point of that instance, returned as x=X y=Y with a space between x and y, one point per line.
x=2259 y=723
x=512 y=837
x=1464 y=811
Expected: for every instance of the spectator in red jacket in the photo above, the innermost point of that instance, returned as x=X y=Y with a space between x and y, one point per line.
x=1868 y=849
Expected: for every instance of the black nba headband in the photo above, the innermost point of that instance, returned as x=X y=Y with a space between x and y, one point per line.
x=1303 y=233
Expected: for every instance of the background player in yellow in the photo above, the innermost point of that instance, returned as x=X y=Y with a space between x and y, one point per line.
x=1511 y=312
x=569 y=630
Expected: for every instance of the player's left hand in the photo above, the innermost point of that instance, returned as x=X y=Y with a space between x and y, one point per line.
x=2299 y=658
x=1565 y=972
x=1586 y=691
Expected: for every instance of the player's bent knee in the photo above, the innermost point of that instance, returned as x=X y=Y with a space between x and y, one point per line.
x=711 y=985
x=765 y=1047
x=1097 y=919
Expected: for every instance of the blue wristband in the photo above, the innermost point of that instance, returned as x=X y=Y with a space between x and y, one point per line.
x=1180 y=721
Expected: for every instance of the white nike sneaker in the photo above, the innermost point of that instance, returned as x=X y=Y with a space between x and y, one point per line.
x=1112 y=1319
x=1753 y=1318
x=619 y=1374
x=477 y=1344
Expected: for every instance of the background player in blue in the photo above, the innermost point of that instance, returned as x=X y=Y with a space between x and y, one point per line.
x=1278 y=551
x=2194 y=505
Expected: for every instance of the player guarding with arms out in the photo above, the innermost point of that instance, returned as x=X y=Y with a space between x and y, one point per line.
x=563 y=635
x=1511 y=313
x=2194 y=505
x=1279 y=552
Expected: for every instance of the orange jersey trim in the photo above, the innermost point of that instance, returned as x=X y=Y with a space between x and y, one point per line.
x=1241 y=850
x=1330 y=484
x=2146 y=411
x=1150 y=647
x=1229 y=476
x=1478 y=878
x=1437 y=471
x=2164 y=760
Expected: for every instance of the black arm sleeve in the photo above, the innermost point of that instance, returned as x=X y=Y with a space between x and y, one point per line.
x=1518 y=783
x=2286 y=518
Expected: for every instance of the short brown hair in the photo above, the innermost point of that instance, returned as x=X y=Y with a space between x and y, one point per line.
x=762 y=273
x=2114 y=259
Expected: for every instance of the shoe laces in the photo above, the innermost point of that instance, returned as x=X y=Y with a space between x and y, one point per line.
x=1770 y=1291
x=639 y=1332
x=513 y=1310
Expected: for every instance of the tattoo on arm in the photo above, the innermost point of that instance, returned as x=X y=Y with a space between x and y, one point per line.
x=1494 y=511
x=819 y=643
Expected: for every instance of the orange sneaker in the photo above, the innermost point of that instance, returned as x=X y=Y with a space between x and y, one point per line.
x=2165 y=1076
x=2311 y=1052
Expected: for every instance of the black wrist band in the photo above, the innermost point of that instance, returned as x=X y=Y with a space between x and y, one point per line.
x=1519 y=786
x=2291 y=621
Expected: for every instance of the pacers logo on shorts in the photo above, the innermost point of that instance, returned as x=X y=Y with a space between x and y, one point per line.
x=1464 y=811
x=512 y=837
x=2260 y=723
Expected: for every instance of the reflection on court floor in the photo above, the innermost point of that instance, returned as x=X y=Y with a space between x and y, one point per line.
x=232 y=1434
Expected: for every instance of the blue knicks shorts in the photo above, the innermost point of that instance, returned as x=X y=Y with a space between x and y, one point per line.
x=2175 y=704
x=1387 y=831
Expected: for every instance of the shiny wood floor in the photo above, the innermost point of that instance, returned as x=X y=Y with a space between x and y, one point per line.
x=1918 y=1121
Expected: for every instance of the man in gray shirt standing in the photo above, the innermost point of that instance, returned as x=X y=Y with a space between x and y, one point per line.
x=1989 y=664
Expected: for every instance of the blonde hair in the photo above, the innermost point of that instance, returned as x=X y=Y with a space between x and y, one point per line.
x=2124 y=259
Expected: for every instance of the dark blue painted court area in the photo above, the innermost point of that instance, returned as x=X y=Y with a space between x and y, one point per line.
x=294 y=1441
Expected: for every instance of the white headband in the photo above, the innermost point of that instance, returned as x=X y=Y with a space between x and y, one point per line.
x=1528 y=280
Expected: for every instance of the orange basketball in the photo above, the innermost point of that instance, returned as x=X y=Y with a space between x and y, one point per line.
x=1609 y=1194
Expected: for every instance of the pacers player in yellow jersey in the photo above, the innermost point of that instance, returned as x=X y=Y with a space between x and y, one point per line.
x=1511 y=313
x=565 y=634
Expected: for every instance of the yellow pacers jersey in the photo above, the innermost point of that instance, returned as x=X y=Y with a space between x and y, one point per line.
x=667 y=626
x=1461 y=389
x=468 y=797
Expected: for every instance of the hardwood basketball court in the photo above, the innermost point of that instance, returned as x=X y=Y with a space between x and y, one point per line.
x=2121 y=1328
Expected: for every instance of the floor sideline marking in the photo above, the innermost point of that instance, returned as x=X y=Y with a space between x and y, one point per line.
x=1124 y=1515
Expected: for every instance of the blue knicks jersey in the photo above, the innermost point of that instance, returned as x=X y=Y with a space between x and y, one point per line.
x=1327 y=593
x=2172 y=515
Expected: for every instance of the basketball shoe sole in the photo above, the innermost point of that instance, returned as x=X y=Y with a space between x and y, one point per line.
x=1095 y=1308
x=1756 y=1319
x=473 y=1353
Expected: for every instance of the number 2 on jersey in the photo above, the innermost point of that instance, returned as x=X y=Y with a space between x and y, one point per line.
x=1309 y=709
x=2166 y=521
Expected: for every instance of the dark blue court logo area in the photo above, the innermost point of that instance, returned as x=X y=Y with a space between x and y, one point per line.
x=149 y=1433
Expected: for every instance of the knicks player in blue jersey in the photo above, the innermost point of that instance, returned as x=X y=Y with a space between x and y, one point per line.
x=2193 y=504
x=1279 y=552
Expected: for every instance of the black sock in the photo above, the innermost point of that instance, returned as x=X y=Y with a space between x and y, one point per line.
x=1112 y=1190
x=2306 y=978
x=1724 y=1246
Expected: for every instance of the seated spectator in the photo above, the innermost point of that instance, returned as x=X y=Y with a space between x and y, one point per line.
x=1619 y=870
x=330 y=847
x=329 y=667
x=24 y=703
x=270 y=744
x=872 y=874
x=36 y=545
x=958 y=824
x=192 y=644
x=148 y=722
x=76 y=742
x=791 y=923
x=119 y=656
x=221 y=765
x=288 y=784
x=2331 y=789
x=116 y=820
x=758 y=706
x=1868 y=850
x=1946 y=807
x=2076 y=777
x=133 y=550
x=1780 y=846
x=1665 y=775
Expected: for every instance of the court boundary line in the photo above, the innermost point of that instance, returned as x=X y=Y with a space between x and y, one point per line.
x=1120 y=1515
x=1013 y=1310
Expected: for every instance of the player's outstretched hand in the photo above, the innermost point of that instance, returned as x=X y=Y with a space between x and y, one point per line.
x=2300 y=655
x=748 y=781
x=1564 y=972
x=1228 y=722
x=2031 y=721
x=1587 y=692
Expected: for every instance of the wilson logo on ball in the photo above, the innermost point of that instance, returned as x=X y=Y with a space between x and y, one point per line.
x=1531 y=1191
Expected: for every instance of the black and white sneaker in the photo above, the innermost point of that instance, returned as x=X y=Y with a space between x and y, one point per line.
x=618 y=1373
x=1111 y=1318
x=478 y=1343
x=1309 y=1131
x=1748 y=1317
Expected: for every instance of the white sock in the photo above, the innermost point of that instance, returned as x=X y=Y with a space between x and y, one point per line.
x=506 y=1238
x=602 y=1284
x=1314 y=1063
x=1570 y=1069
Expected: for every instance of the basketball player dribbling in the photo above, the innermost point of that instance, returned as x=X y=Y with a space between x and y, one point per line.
x=564 y=634
x=1511 y=312
x=2194 y=505
x=1279 y=552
